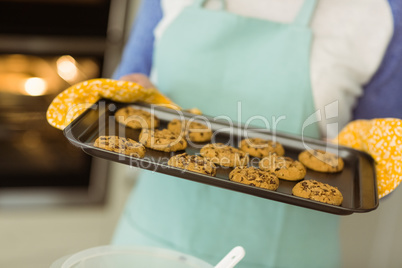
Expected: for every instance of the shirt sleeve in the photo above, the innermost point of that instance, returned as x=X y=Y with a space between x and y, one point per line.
x=138 y=51
x=383 y=94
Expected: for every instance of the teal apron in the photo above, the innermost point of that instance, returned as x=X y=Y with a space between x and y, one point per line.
x=222 y=63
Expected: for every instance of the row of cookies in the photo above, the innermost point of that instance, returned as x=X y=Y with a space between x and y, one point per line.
x=289 y=169
x=309 y=189
x=141 y=119
x=137 y=119
x=225 y=155
x=197 y=132
x=271 y=169
x=286 y=168
x=172 y=139
x=272 y=165
x=317 y=160
x=161 y=140
x=166 y=140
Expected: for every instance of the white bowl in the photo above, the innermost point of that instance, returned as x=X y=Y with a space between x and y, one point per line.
x=129 y=257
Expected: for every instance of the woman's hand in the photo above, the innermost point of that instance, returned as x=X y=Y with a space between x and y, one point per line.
x=138 y=78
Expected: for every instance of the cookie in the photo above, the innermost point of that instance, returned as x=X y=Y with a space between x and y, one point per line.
x=194 y=163
x=162 y=140
x=255 y=177
x=285 y=168
x=321 y=161
x=224 y=155
x=318 y=191
x=136 y=118
x=120 y=145
x=260 y=148
x=193 y=131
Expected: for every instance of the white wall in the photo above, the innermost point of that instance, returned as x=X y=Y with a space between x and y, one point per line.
x=374 y=239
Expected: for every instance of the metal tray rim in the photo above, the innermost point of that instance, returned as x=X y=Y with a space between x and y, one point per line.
x=274 y=195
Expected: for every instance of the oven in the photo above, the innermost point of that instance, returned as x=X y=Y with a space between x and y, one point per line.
x=45 y=47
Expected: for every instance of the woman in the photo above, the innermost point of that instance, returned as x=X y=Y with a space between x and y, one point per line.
x=218 y=61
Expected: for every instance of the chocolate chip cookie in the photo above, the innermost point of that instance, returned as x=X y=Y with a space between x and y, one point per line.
x=285 y=168
x=136 y=118
x=318 y=191
x=162 y=140
x=255 y=177
x=192 y=130
x=194 y=163
x=224 y=155
x=120 y=145
x=260 y=148
x=321 y=161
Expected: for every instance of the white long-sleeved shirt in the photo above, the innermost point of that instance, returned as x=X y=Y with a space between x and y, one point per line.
x=350 y=39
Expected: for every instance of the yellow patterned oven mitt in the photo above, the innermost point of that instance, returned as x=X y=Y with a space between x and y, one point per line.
x=73 y=101
x=382 y=139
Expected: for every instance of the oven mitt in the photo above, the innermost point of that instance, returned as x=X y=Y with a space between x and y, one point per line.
x=73 y=101
x=382 y=139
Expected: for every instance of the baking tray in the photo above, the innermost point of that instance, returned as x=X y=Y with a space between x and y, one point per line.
x=357 y=181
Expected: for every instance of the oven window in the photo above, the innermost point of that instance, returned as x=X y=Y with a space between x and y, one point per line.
x=33 y=153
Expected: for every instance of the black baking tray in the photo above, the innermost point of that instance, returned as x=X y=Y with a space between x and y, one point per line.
x=357 y=181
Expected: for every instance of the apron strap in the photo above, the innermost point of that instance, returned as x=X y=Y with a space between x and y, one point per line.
x=200 y=3
x=306 y=12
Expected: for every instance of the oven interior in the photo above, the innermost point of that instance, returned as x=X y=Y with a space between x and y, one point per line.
x=46 y=47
